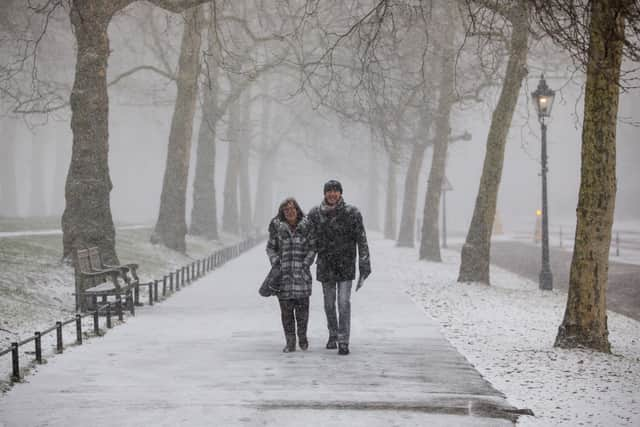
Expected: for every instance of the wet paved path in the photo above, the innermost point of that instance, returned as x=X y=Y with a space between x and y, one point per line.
x=211 y=355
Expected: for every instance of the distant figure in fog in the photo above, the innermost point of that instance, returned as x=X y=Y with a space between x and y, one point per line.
x=291 y=248
x=338 y=229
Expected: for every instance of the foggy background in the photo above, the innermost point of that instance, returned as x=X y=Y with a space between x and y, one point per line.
x=317 y=145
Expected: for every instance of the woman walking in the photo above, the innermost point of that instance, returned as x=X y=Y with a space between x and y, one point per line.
x=290 y=246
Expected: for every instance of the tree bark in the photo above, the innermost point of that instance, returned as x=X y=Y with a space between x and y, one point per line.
x=373 y=200
x=171 y=227
x=430 y=238
x=585 y=317
x=392 y=198
x=475 y=256
x=37 y=203
x=230 y=213
x=204 y=214
x=406 y=235
x=244 y=187
x=87 y=219
x=263 y=208
x=8 y=181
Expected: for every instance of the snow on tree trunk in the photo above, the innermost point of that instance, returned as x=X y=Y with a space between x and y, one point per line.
x=171 y=227
x=87 y=219
x=406 y=235
x=204 y=214
x=585 y=318
x=475 y=256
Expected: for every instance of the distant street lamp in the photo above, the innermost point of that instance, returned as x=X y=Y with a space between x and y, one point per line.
x=446 y=186
x=543 y=100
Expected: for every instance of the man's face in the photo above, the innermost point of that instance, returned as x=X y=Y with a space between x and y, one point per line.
x=332 y=197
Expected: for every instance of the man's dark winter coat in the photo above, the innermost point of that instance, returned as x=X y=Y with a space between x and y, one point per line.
x=338 y=230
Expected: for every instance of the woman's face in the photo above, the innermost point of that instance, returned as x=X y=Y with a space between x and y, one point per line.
x=290 y=213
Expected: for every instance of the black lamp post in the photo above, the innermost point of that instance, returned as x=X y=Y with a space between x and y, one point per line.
x=543 y=100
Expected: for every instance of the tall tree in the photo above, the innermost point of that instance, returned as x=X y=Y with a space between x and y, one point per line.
x=598 y=34
x=204 y=214
x=8 y=181
x=37 y=202
x=475 y=257
x=171 y=227
x=87 y=219
x=430 y=242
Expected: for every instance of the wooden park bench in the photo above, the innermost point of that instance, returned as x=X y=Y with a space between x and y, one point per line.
x=94 y=280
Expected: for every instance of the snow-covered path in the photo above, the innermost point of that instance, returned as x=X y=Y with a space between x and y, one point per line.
x=211 y=355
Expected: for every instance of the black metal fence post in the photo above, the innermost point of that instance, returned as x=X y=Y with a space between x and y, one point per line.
x=164 y=286
x=150 y=293
x=178 y=281
x=78 y=329
x=15 y=362
x=119 y=309
x=59 y=346
x=171 y=281
x=155 y=290
x=38 y=342
x=96 y=320
x=108 y=315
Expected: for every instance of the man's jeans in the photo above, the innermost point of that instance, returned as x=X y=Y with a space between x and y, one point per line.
x=339 y=326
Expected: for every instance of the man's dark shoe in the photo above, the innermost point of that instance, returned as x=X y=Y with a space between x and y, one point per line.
x=343 y=349
x=332 y=344
x=303 y=343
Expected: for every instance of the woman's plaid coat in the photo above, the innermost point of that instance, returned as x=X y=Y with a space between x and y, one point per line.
x=294 y=250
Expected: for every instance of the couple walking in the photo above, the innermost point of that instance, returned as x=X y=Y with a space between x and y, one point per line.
x=332 y=230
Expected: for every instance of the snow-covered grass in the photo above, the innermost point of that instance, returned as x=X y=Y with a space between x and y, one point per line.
x=507 y=331
x=36 y=287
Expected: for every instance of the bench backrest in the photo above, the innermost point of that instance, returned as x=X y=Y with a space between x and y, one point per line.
x=82 y=260
x=95 y=260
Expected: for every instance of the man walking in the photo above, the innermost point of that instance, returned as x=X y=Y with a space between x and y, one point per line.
x=338 y=229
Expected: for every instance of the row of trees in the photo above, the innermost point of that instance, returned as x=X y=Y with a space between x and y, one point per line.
x=398 y=71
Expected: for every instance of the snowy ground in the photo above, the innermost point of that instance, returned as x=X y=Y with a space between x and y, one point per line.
x=507 y=331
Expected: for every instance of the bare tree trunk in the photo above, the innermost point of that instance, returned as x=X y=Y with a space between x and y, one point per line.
x=37 y=203
x=243 y=172
x=585 y=317
x=171 y=228
x=372 y=214
x=8 y=182
x=62 y=155
x=204 y=214
x=392 y=199
x=87 y=219
x=263 y=209
x=406 y=235
x=430 y=241
x=475 y=256
x=230 y=213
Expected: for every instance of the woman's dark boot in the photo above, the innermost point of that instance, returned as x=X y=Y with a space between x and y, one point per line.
x=291 y=344
x=303 y=343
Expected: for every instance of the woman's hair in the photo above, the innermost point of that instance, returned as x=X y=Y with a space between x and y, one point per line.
x=285 y=202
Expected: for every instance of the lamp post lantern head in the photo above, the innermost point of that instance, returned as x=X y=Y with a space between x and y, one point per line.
x=543 y=99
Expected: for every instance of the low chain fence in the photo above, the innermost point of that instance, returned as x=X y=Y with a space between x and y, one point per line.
x=156 y=290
